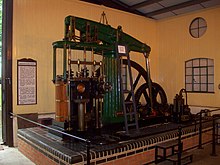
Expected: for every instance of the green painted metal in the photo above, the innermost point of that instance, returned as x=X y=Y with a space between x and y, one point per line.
x=65 y=62
x=103 y=40
x=107 y=37
x=107 y=34
x=112 y=99
x=54 y=64
x=98 y=48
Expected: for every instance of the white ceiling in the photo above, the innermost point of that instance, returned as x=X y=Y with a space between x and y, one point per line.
x=157 y=9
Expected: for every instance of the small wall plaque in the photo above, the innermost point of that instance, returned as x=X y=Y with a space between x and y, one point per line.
x=26 y=81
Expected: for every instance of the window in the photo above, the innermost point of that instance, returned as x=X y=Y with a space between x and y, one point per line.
x=199 y=75
x=198 y=27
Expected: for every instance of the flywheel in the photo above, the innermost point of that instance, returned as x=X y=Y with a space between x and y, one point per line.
x=159 y=100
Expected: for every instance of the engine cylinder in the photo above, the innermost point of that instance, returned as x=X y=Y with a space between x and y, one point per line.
x=81 y=116
x=61 y=101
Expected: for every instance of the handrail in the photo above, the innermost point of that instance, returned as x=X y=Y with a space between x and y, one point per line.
x=200 y=122
x=214 y=118
x=180 y=145
x=207 y=110
x=87 y=141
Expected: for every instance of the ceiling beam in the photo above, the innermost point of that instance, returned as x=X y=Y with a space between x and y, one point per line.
x=116 y=5
x=98 y=2
x=175 y=7
x=127 y=7
x=145 y=3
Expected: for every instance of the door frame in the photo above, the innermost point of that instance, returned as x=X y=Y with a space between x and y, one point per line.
x=7 y=104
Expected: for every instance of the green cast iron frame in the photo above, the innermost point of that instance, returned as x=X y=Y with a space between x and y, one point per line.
x=103 y=40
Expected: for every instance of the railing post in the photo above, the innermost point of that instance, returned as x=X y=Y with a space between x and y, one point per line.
x=88 y=151
x=200 y=130
x=88 y=143
x=213 y=137
x=180 y=145
x=217 y=131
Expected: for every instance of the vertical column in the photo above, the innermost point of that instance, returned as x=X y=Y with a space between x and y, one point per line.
x=112 y=99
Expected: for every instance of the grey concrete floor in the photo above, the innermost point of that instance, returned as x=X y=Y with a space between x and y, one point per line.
x=11 y=156
x=202 y=156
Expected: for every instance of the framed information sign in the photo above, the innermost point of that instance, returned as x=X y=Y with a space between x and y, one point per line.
x=26 y=82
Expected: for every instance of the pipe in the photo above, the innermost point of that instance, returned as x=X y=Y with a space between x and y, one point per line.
x=149 y=80
x=180 y=93
x=97 y=113
x=54 y=64
x=81 y=116
x=180 y=145
x=64 y=61
x=213 y=138
x=200 y=130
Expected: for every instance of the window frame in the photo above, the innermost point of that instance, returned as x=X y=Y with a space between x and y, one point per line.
x=198 y=27
x=200 y=76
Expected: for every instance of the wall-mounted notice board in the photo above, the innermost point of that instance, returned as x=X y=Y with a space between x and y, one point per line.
x=26 y=81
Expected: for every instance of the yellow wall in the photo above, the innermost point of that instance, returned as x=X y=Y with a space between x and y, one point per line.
x=38 y=23
x=175 y=46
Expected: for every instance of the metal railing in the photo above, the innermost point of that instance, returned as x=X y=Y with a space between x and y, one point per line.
x=198 y=122
x=214 y=118
x=86 y=141
x=214 y=135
